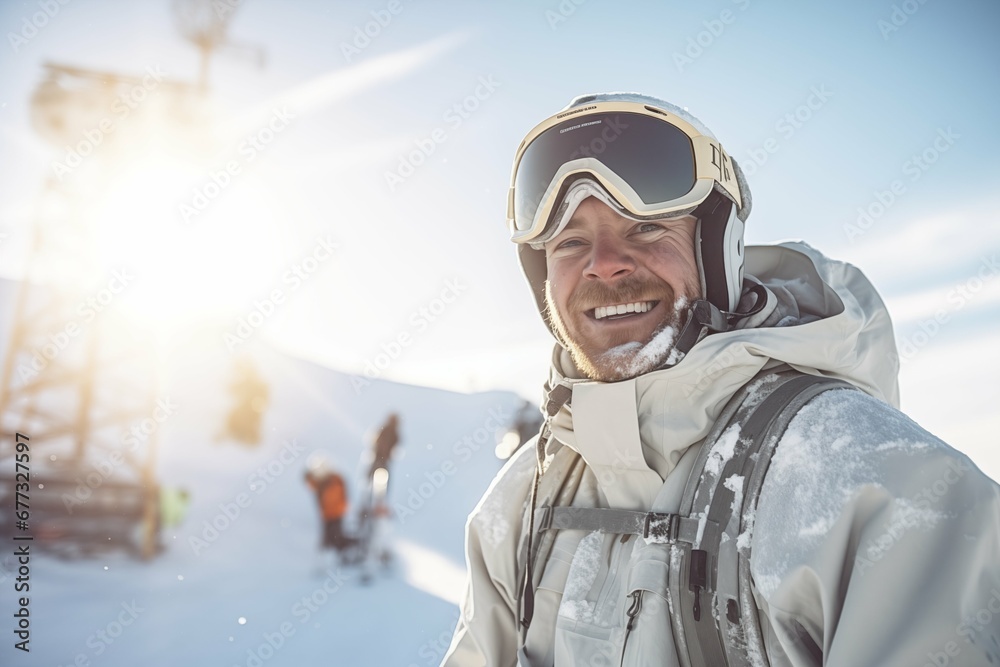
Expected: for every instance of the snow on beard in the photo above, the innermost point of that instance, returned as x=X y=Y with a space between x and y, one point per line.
x=625 y=358
x=632 y=359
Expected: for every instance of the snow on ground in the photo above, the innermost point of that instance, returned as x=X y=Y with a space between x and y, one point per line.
x=251 y=591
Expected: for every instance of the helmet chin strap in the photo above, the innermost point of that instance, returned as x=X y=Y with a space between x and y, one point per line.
x=704 y=319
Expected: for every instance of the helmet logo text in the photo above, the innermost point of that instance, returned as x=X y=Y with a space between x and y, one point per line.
x=721 y=162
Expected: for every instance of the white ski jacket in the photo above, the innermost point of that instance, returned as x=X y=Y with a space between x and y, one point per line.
x=875 y=543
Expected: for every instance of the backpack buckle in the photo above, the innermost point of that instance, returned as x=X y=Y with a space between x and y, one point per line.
x=660 y=528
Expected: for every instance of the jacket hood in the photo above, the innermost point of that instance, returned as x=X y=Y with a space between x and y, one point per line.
x=822 y=317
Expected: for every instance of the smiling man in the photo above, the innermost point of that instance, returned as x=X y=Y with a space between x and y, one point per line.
x=723 y=476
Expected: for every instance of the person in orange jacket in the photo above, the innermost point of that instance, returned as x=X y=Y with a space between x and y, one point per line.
x=331 y=496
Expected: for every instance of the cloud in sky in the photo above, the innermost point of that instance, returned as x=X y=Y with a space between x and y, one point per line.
x=352 y=80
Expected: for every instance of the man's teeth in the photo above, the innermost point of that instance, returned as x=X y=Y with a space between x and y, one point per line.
x=638 y=307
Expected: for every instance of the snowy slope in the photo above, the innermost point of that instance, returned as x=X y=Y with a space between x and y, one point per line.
x=185 y=607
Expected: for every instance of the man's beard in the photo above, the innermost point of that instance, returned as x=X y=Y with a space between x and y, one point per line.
x=622 y=358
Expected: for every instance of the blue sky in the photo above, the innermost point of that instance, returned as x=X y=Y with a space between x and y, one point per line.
x=879 y=96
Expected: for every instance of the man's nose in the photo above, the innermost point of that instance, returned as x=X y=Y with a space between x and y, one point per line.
x=610 y=258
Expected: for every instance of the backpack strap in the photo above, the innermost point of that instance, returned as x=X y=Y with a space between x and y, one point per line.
x=654 y=527
x=558 y=488
x=716 y=621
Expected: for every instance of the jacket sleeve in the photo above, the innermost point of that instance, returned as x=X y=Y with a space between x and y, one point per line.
x=875 y=544
x=487 y=632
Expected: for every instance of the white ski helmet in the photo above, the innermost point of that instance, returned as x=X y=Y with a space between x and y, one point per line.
x=319 y=463
x=645 y=158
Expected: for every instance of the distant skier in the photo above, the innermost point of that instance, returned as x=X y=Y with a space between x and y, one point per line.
x=172 y=507
x=371 y=539
x=331 y=496
x=383 y=446
x=523 y=428
x=528 y=422
x=174 y=503
x=250 y=394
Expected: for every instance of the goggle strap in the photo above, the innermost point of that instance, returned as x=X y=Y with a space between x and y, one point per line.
x=712 y=162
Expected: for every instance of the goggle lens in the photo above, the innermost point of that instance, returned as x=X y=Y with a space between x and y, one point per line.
x=654 y=157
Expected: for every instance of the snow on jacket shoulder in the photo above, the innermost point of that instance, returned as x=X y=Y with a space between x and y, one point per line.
x=875 y=543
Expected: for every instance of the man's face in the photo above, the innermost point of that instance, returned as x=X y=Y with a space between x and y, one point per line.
x=647 y=269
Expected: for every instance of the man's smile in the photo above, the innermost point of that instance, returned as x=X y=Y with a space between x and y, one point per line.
x=622 y=310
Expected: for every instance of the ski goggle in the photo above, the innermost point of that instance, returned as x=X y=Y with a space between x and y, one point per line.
x=653 y=163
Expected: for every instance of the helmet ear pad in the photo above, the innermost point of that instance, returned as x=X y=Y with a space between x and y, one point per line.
x=719 y=244
x=535 y=272
x=719 y=251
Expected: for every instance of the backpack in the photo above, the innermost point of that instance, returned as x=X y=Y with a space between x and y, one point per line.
x=715 y=618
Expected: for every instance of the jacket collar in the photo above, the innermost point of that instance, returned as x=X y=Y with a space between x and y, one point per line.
x=633 y=433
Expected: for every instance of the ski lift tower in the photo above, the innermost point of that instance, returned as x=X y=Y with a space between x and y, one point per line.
x=204 y=23
x=77 y=373
x=78 y=378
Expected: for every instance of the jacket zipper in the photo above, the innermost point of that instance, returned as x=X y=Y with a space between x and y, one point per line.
x=632 y=613
x=611 y=587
